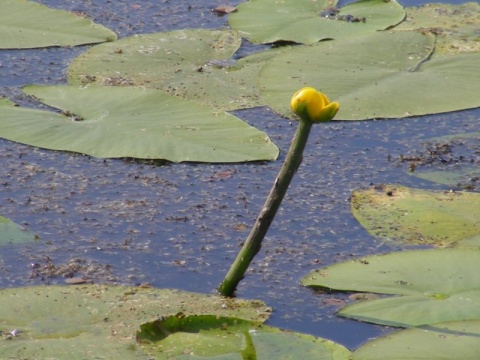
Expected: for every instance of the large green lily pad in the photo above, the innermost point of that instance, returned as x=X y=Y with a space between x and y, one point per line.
x=98 y=321
x=27 y=24
x=472 y=242
x=209 y=336
x=448 y=160
x=456 y=26
x=414 y=310
x=415 y=272
x=463 y=176
x=302 y=21
x=131 y=122
x=398 y=81
x=436 y=285
x=416 y=216
x=452 y=341
x=11 y=233
x=194 y=64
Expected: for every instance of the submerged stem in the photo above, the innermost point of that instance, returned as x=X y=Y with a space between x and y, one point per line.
x=253 y=242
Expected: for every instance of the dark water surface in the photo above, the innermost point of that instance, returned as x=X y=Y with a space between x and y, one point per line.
x=181 y=225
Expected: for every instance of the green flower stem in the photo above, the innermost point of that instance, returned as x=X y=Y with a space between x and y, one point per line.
x=254 y=240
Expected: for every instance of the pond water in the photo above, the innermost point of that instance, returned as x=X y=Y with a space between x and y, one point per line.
x=181 y=225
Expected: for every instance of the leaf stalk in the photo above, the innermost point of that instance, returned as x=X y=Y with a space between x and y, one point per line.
x=254 y=240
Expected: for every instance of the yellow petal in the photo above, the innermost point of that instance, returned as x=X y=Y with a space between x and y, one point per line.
x=328 y=113
x=325 y=99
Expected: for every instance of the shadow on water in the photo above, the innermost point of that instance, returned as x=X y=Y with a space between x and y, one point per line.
x=181 y=225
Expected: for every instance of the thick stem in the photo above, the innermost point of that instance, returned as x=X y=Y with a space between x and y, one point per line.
x=253 y=242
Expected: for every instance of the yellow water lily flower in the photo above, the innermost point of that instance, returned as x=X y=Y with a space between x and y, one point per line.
x=312 y=105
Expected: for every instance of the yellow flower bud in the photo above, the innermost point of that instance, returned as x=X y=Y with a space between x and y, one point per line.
x=312 y=105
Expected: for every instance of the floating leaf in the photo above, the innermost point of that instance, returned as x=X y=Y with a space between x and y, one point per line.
x=131 y=122
x=224 y=9
x=437 y=285
x=397 y=81
x=448 y=160
x=90 y=321
x=209 y=336
x=473 y=242
x=452 y=341
x=301 y=21
x=193 y=64
x=417 y=216
x=27 y=24
x=464 y=176
x=415 y=272
x=11 y=233
x=456 y=26
x=414 y=310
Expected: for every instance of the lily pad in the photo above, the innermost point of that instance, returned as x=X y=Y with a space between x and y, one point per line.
x=11 y=233
x=472 y=242
x=129 y=122
x=194 y=64
x=398 y=81
x=415 y=310
x=464 y=176
x=209 y=336
x=27 y=24
x=448 y=160
x=306 y=21
x=91 y=321
x=456 y=26
x=436 y=285
x=452 y=341
x=414 y=272
x=416 y=216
